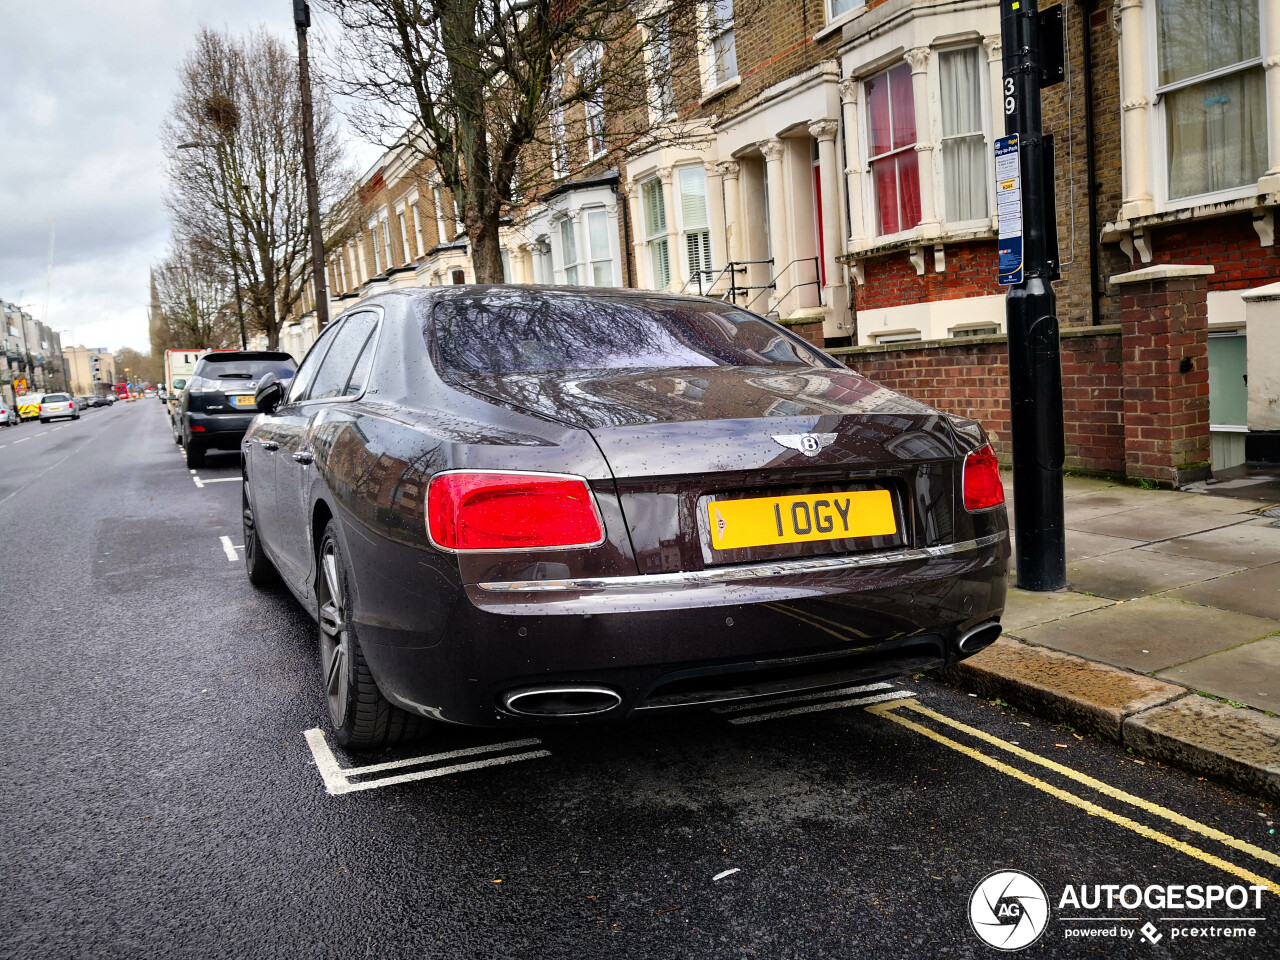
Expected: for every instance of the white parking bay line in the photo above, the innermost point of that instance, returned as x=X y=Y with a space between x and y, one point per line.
x=223 y=480
x=229 y=549
x=830 y=705
x=23 y=440
x=841 y=692
x=338 y=779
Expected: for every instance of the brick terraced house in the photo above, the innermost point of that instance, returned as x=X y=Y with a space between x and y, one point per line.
x=836 y=173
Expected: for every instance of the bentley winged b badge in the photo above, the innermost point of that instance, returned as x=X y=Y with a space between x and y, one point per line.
x=807 y=443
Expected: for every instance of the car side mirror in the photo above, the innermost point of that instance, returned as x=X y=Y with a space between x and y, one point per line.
x=269 y=393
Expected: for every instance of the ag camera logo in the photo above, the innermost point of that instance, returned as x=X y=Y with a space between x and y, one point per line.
x=1008 y=910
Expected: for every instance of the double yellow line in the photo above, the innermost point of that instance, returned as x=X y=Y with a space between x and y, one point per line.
x=889 y=711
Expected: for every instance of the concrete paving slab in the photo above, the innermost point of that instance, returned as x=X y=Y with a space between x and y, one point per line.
x=1241 y=747
x=1117 y=500
x=1079 y=486
x=1248 y=674
x=1082 y=546
x=1124 y=576
x=1149 y=634
x=1250 y=544
x=1023 y=608
x=1154 y=521
x=1092 y=697
x=1255 y=592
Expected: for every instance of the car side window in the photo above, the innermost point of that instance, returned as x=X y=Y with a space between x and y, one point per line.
x=364 y=362
x=337 y=366
x=310 y=364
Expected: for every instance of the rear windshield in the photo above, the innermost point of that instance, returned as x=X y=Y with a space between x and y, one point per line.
x=56 y=398
x=515 y=331
x=243 y=368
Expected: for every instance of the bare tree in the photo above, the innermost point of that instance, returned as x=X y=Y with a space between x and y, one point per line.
x=195 y=293
x=505 y=96
x=236 y=183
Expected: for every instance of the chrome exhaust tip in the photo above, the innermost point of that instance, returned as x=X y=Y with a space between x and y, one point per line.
x=562 y=701
x=975 y=638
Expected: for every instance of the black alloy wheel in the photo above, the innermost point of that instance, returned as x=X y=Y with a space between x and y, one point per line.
x=362 y=717
x=260 y=569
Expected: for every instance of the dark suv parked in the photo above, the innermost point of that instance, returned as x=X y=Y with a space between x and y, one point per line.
x=217 y=403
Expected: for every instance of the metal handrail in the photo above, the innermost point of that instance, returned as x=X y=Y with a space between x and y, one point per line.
x=773 y=284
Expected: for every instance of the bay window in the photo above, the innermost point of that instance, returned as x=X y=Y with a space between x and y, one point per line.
x=569 y=251
x=964 y=144
x=891 y=137
x=601 y=261
x=655 y=230
x=694 y=223
x=1211 y=89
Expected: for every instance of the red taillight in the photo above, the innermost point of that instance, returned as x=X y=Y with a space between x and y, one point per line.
x=511 y=511
x=982 y=487
x=195 y=429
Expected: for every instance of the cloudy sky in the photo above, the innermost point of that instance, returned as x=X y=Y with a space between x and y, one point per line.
x=84 y=87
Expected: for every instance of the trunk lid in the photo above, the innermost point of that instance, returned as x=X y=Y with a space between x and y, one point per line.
x=681 y=440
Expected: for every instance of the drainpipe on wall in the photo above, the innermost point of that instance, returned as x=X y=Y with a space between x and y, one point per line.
x=1095 y=297
x=624 y=206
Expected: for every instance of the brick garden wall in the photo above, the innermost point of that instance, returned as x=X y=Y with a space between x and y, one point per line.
x=892 y=280
x=970 y=378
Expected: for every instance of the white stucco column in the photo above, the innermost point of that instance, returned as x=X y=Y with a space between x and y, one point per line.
x=1136 y=107
x=853 y=153
x=678 y=276
x=824 y=131
x=716 y=218
x=729 y=171
x=918 y=58
x=1270 y=182
x=773 y=151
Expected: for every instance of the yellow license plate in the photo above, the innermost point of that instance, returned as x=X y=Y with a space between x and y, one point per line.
x=242 y=401
x=767 y=521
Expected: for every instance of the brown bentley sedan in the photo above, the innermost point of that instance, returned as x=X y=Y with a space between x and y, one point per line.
x=516 y=505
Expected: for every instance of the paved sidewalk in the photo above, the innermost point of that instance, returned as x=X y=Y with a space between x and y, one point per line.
x=1168 y=636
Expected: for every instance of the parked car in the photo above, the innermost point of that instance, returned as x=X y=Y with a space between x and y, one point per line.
x=8 y=414
x=85 y=403
x=56 y=406
x=514 y=505
x=217 y=403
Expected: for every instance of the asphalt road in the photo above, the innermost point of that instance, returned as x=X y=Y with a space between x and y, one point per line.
x=161 y=797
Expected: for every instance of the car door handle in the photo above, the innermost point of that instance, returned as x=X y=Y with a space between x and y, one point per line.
x=269 y=445
x=304 y=456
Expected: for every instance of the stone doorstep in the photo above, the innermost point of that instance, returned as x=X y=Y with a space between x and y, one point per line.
x=1158 y=720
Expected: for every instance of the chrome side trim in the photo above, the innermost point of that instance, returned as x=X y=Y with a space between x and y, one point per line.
x=755 y=571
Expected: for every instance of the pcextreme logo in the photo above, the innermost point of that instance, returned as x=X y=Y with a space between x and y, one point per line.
x=1009 y=910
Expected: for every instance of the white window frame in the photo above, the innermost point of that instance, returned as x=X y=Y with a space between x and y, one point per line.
x=677 y=182
x=377 y=254
x=587 y=60
x=384 y=221
x=872 y=209
x=661 y=89
x=590 y=261
x=834 y=18
x=565 y=264
x=710 y=31
x=1158 y=160
x=651 y=241
x=417 y=225
x=404 y=233
x=437 y=200
x=936 y=128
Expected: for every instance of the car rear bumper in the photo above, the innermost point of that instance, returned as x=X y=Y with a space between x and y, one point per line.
x=676 y=641
x=222 y=431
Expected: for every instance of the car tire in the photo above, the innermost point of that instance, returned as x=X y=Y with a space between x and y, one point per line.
x=194 y=454
x=362 y=718
x=261 y=570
